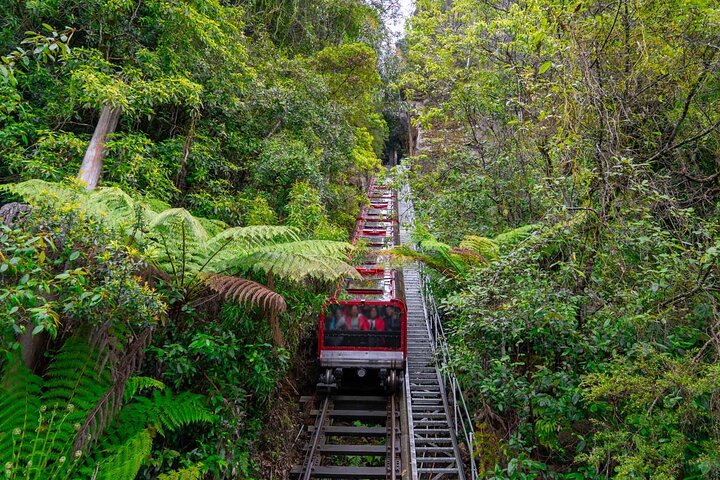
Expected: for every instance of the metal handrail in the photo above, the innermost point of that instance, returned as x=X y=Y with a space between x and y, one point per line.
x=462 y=421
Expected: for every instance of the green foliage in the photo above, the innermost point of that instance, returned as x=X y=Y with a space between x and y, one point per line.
x=586 y=346
x=193 y=472
x=44 y=417
x=207 y=114
x=59 y=272
x=132 y=164
x=309 y=216
x=284 y=162
x=126 y=461
x=187 y=246
x=226 y=108
x=452 y=262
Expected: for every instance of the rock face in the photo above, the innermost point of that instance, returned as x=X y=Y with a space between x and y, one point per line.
x=11 y=211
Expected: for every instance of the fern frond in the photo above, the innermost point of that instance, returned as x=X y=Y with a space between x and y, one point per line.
x=19 y=409
x=211 y=225
x=464 y=257
x=111 y=205
x=181 y=239
x=124 y=462
x=36 y=191
x=161 y=411
x=116 y=208
x=515 y=236
x=405 y=254
x=328 y=248
x=241 y=290
x=174 y=412
x=432 y=245
x=135 y=385
x=232 y=243
x=74 y=383
x=483 y=246
x=299 y=266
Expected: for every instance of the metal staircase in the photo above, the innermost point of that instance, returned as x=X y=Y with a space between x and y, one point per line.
x=437 y=415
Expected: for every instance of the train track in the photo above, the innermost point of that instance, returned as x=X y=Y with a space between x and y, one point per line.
x=352 y=437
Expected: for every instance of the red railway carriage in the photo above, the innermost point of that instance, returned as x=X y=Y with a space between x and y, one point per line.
x=363 y=328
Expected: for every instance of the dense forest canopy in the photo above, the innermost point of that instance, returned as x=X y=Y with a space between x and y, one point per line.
x=583 y=137
x=180 y=178
x=225 y=145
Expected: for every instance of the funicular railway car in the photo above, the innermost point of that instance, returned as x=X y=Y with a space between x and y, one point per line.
x=362 y=331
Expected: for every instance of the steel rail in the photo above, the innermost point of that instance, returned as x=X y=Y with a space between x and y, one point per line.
x=346 y=409
x=319 y=432
x=393 y=437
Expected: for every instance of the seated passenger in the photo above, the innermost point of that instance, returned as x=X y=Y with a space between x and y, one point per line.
x=392 y=319
x=375 y=322
x=337 y=321
x=356 y=320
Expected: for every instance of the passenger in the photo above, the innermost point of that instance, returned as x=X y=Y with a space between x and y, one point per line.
x=337 y=321
x=392 y=319
x=375 y=322
x=356 y=320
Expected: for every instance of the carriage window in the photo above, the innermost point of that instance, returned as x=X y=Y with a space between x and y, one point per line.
x=363 y=326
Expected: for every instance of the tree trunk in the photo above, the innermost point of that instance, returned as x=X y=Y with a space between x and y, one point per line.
x=274 y=321
x=32 y=346
x=92 y=164
x=187 y=145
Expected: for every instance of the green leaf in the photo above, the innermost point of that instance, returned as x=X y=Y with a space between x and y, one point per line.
x=544 y=67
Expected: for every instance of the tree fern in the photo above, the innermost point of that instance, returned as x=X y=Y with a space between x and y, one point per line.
x=404 y=253
x=191 y=249
x=181 y=241
x=452 y=262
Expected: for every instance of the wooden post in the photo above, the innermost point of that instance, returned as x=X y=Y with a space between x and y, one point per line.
x=91 y=168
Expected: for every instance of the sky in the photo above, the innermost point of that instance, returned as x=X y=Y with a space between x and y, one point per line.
x=397 y=25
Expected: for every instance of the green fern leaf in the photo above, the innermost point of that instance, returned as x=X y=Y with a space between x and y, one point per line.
x=181 y=240
x=482 y=246
x=225 y=247
x=137 y=384
x=299 y=266
x=74 y=383
x=19 y=410
x=515 y=236
x=124 y=462
x=161 y=411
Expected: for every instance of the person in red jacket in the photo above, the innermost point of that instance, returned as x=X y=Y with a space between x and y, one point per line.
x=375 y=321
x=356 y=320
